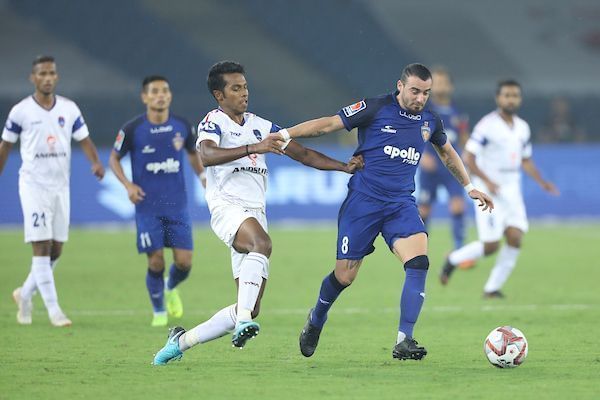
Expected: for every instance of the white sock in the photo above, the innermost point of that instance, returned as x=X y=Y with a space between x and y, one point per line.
x=218 y=325
x=28 y=289
x=44 y=281
x=471 y=251
x=401 y=336
x=250 y=281
x=505 y=263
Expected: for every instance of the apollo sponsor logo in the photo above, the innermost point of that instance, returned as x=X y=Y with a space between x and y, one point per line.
x=169 y=166
x=409 y=156
x=162 y=129
x=414 y=117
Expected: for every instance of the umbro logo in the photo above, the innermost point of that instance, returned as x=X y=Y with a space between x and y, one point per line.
x=388 y=129
x=148 y=149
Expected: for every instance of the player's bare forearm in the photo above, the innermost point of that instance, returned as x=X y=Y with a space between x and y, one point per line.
x=115 y=165
x=195 y=162
x=317 y=127
x=469 y=161
x=211 y=154
x=312 y=158
x=5 y=148
x=453 y=163
x=88 y=147
x=530 y=169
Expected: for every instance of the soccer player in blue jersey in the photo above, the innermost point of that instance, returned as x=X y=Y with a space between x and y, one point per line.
x=156 y=142
x=392 y=132
x=433 y=174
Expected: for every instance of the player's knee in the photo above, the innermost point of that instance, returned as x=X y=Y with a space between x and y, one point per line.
x=514 y=241
x=183 y=266
x=457 y=206
x=55 y=253
x=262 y=245
x=490 y=248
x=156 y=263
x=419 y=262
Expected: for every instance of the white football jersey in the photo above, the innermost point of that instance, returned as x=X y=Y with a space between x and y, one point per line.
x=45 y=139
x=242 y=181
x=499 y=148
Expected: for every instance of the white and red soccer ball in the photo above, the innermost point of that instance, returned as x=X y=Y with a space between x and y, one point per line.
x=506 y=347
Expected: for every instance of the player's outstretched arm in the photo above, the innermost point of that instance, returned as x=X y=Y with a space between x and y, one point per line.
x=314 y=159
x=454 y=164
x=211 y=154
x=314 y=127
x=196 y=164
x=5 y=148
x=88 y=147
x=530 y=168
x=134 y=192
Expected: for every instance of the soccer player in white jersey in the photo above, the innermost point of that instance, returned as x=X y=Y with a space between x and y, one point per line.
x=46 y=123
x=232 y=143
x=498 y=148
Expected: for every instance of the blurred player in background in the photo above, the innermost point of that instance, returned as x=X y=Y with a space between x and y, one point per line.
x=46 y=123
x=156 y=142
x=433 y=174
x=232 y=143
x=499 y=147
x=392 y=132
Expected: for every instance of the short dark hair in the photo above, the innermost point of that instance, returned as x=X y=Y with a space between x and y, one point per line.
x=152 y=78
x=42 y=59
x=506 y=82
x=215 y=80
x=415 y=69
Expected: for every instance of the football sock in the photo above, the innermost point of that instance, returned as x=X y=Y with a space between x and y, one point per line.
x=176 y=276
x=330 y=290
x=505 y=263
x=218 y=325
x=458 y=230
x=250 y=281
x=28 y=289
x=413 y=293
x=156 y=285
x=44 y=281
x=471 y=251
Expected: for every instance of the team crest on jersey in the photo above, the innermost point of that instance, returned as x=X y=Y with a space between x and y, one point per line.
x=178 y=141
x=119 y=140
x=257 y=134
x=425 y=131
x=354 y=108
x=51 y=141
x=61 y=121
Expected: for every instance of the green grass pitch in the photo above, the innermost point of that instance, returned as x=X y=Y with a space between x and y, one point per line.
x=553 y=298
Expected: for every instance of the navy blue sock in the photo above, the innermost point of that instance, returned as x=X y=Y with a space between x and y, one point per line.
x=176 y=276
x=330 y=290
x=155 y=282
x=458 y=230
x=413 y=293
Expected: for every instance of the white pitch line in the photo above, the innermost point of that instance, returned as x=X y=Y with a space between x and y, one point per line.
x=348 y=311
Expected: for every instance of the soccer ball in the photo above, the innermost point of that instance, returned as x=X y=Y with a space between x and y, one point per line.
x=506 y=347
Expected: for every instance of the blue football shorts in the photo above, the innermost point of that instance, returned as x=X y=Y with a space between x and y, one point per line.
x=362 y=218
x=156 y=232
x=429 y=182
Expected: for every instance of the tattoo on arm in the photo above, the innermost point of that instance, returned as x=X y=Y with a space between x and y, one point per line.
x=455 y=171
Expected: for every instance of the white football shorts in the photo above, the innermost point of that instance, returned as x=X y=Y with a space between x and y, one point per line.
x=225 y=221
x=509 y=210
x=46 y=213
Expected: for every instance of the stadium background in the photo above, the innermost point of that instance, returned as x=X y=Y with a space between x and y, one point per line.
x=298 y=70
x=306 y=59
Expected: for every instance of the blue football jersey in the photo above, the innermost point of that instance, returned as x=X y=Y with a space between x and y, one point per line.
x=391 y=140
x=157 y=155
x=454 y=122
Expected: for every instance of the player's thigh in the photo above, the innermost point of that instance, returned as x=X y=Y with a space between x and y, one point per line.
x=360 y=220
x=490 y=226
x=38 y=213
x=456 y=194
x=402 y=220
x=182 y=258
x=410 y=247
x=251 y=236
x=150 y=233
x=516 y=214
x=62 y=215
x=156 y=260
x=177 y=231
x=225 y=221
x=428 y=183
